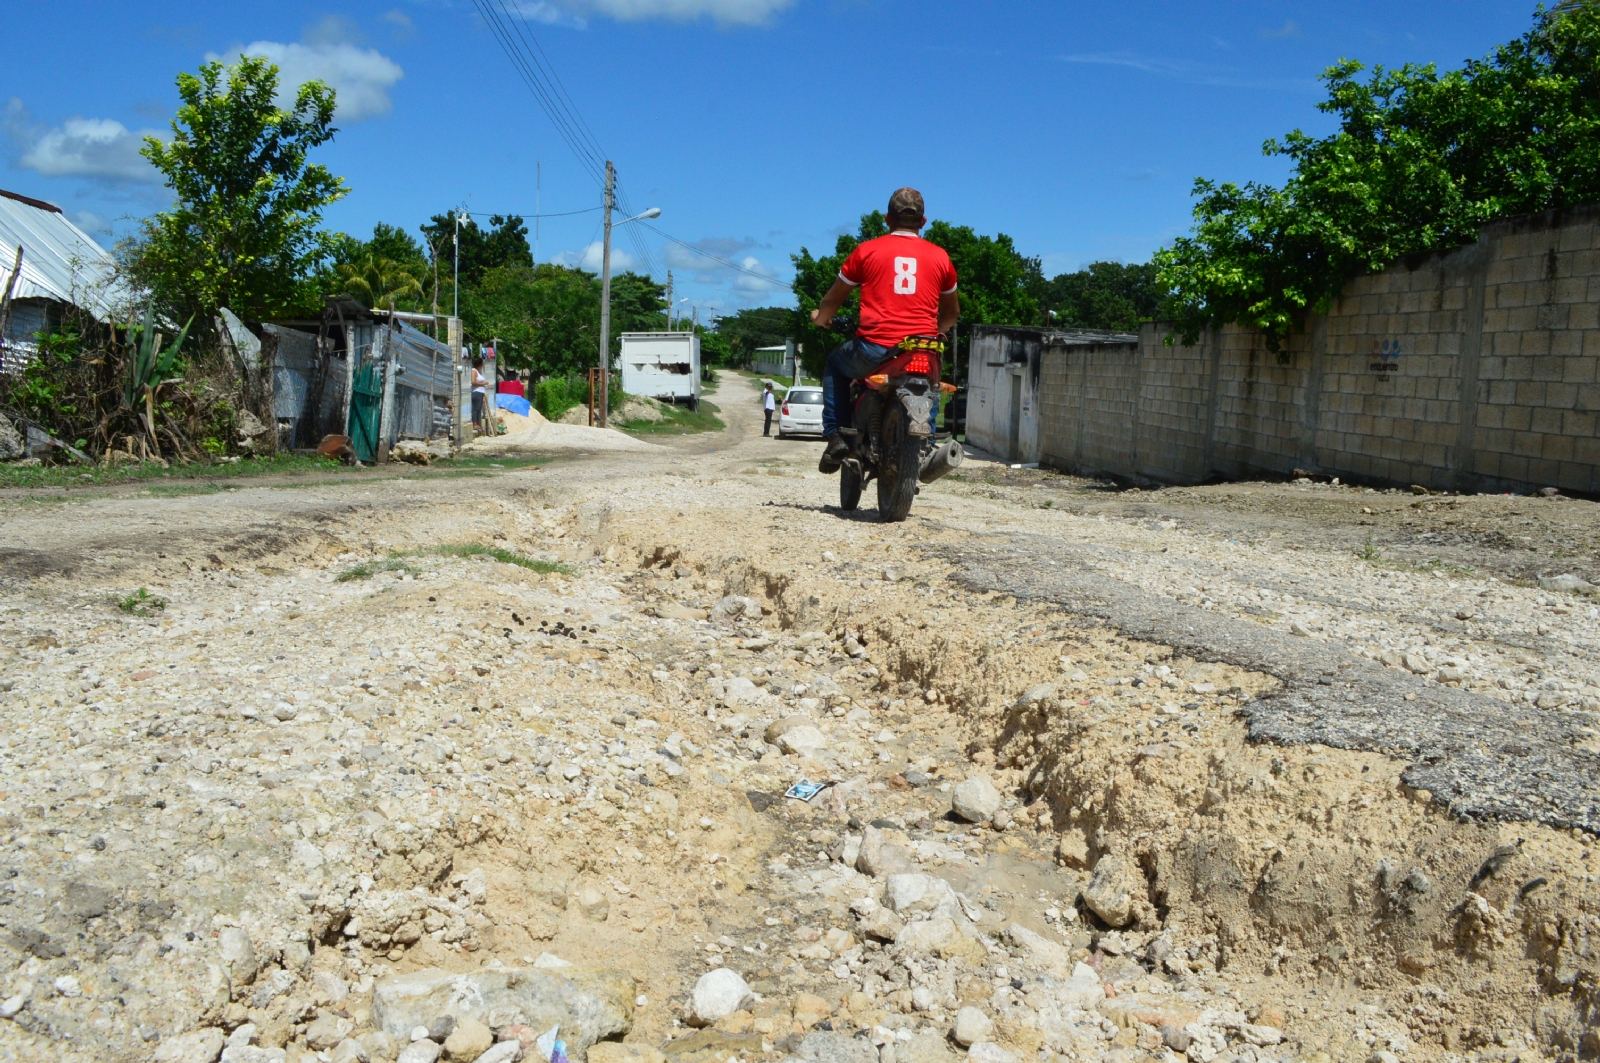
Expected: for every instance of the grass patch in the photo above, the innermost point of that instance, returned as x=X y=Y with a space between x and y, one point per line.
x=1373 y=555
x=141 y=603
x=500 y=554
x=368 y=569
x=679 y=421
x=102 y=475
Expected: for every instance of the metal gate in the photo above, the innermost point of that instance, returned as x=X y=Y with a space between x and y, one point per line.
x=366 y=404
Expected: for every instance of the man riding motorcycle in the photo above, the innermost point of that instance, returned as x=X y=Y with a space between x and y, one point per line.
x=908 y=288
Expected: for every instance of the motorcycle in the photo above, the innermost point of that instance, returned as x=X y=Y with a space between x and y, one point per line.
x=891 y=433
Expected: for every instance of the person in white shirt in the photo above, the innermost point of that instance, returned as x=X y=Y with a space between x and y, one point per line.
x=769 y=403
x=480 y=397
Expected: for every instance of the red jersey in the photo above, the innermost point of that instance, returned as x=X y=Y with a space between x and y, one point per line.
x=901 y=277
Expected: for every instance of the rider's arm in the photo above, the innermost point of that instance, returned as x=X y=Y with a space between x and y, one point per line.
x=835 y=298
x=949 y=311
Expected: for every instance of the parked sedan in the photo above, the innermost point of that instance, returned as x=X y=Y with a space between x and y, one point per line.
x=801 y=413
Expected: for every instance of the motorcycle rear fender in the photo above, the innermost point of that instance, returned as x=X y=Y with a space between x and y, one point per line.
x=915 y=397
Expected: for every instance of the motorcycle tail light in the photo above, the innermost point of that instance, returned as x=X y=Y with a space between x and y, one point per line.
x=948 y=388
x=919 y=363
x=878 y=380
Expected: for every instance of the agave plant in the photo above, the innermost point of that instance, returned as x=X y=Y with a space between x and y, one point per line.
x=151 y=365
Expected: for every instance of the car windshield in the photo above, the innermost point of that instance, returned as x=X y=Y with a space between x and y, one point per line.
x=804 y=398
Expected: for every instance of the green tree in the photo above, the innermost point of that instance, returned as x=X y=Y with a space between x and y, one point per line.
x=740 y=333
x=548 y=316
x=505 y=244
x=244 y=230
x=1103 y=295
x=638 y=304
x=381 y=283
x=1419 y=162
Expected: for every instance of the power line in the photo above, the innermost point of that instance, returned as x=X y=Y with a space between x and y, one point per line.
x=514 y=214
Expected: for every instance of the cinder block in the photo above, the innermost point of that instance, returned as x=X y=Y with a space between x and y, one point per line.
x=1486 y=463
x=1557 y=448
x=1526 y=444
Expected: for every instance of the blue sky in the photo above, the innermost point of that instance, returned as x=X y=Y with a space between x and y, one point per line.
x=757 y=126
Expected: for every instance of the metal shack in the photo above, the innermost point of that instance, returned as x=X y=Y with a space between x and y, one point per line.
x=61 y=267
x=662 y=365
x=1003 y=397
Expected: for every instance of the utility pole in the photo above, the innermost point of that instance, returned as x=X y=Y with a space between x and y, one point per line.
x=605 y=297
x=457 y=282
x=669 y=300
x=538 y=212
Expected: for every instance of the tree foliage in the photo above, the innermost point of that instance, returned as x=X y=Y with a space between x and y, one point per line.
x=1420 y=161
x=504 y=244
x=381 y=282
x=1103 y=295
x=244 y=230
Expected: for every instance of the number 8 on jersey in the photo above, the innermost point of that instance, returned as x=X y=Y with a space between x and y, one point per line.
x=905 y=276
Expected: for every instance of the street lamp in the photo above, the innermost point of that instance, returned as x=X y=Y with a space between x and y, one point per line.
x=605 y=288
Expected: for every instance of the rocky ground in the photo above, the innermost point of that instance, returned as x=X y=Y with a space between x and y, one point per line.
x=400 y=768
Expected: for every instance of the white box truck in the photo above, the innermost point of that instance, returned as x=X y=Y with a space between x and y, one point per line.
x=662 y=365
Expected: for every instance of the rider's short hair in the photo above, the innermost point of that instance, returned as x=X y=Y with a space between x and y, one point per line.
x=906 y=207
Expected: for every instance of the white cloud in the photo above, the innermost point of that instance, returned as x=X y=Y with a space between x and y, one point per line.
x=709 y=271
x=724 y=12
x=361 y=77
x=100 y=149
x=590 y=258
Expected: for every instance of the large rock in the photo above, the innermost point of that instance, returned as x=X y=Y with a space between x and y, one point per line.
x=589 y=1006
x=1053 y=958
x=469 y=1040
x=989 y=1052
x=940 y=936
x=778 y=728
x=238 y=955
x=717 y=994
x=917 y=896
x=196 y=1046
x=823 y=1047
x=1112 y=889
x=803 y=741
x=972 y=1026
x=880 y=854
x=925 y=1048
x=12 y=448
x=976 y=800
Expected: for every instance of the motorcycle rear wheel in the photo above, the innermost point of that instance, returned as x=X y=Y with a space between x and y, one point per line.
x=849 y=486
x=898 y=466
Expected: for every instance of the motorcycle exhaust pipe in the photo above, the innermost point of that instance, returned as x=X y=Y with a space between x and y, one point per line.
x=940 y=461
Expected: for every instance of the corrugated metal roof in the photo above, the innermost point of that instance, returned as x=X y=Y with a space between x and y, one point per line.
x=59 y=260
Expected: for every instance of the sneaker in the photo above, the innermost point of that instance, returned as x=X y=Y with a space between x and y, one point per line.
x=834 y=453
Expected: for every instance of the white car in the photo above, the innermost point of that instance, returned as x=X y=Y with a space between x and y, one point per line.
x=801 y=412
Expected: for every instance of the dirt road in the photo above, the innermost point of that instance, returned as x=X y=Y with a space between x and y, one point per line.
x=1256 y=771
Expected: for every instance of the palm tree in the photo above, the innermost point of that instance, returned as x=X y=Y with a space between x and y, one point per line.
x=380 y=283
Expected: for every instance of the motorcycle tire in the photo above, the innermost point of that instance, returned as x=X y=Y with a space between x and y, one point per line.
x=849 y=486
x=898 y=466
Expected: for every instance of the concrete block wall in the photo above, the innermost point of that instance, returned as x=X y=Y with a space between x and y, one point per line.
x=1374 y=389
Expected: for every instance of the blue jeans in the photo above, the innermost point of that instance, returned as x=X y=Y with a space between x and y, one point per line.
x=853 y=359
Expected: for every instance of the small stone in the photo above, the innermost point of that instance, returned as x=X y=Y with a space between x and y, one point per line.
x=810 y=1009
x=718 y=993
x=421 y=1052
x=593 y=903
x=881 y=925
x=510 y=1052
x=922 y=998
x=238 y=955
x=469 y=1040
x=1415 y=663
x=989 y=1052
x=1381 y=1056
x=971 y=1027
x=976 y=800
x=327 y=1030
x=1261 y=1036
x=1176 y=1038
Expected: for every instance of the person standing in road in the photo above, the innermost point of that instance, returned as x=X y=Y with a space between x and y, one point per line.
x=769 y=403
